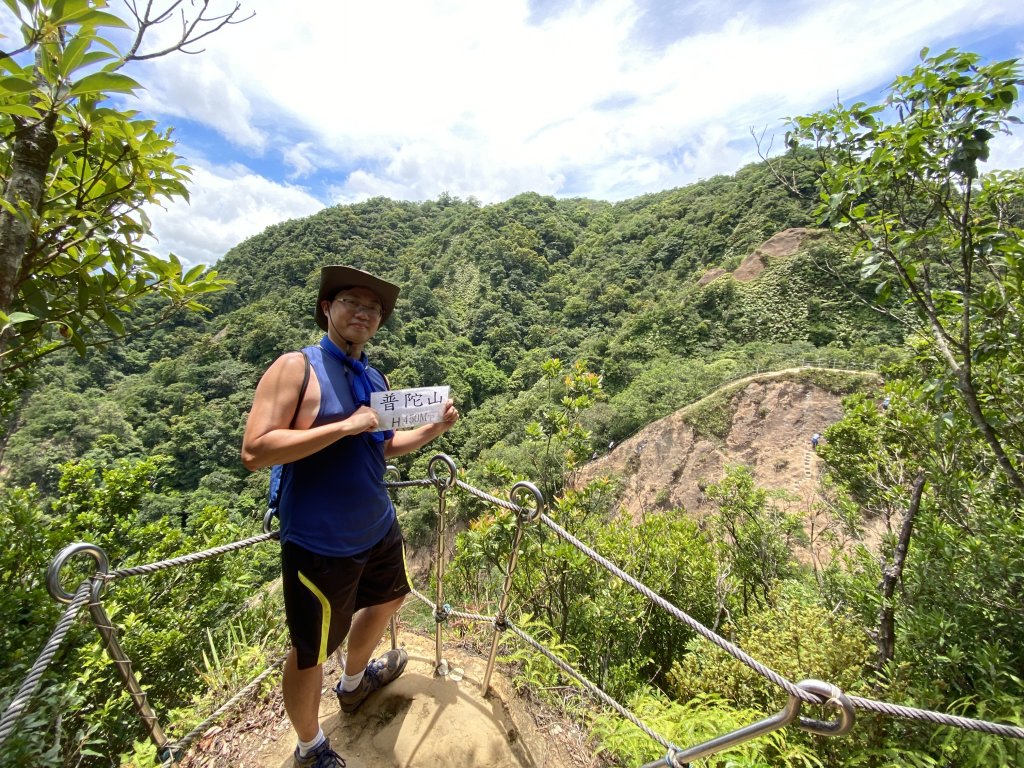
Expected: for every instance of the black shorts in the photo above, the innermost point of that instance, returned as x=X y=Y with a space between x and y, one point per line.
x=321 y=593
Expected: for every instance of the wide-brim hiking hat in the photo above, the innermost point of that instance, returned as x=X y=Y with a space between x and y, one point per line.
x=335 y=277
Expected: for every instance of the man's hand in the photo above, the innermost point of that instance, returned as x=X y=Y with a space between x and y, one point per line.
x=363 y=420
x=451 y=415
x=409 y=440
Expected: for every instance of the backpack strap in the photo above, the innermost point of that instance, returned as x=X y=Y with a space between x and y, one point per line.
x=276 y=471
x=302 y=389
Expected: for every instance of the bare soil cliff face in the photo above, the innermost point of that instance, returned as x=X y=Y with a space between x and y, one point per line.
x=668 y=464
x=779 y=245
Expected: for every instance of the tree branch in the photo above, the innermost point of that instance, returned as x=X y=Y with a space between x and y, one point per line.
x=192 y=29
x=886 y=637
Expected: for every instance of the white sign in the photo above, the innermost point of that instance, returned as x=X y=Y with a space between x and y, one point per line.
x=404 y=408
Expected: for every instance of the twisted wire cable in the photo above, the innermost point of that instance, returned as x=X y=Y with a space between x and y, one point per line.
x=938 y=718
x=733 y=650
x=29 y=686
x=31 y=682
x=457 y=614
x=194 y=557
x=591 y=687
x=407 y=483
x=177 y=748
x=487 y=497
x=895 y=710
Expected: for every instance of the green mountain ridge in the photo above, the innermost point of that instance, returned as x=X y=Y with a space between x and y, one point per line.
x=489 y=293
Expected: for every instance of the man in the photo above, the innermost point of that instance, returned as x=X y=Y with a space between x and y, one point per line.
x=342 y=552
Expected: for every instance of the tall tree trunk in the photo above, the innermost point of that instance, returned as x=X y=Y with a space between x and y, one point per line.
x=34 y=145
x=886 y=638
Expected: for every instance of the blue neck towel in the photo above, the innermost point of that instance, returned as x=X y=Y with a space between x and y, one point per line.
x=358 y=380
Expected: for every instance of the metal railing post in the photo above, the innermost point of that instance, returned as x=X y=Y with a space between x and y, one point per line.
x=524 y=516
x=108 y=634
x=441 y=611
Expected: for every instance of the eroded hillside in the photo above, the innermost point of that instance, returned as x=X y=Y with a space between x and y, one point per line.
x=764 y=422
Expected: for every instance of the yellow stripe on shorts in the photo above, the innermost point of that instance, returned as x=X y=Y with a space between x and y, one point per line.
x=405 y=567
x=325 y=617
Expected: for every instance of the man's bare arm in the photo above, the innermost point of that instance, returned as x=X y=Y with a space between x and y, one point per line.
x=268 y=438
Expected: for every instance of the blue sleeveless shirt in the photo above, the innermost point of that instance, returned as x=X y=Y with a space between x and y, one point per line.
x=334 y=501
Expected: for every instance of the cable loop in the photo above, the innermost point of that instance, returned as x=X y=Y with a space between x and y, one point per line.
x=268 y=517
x=53 y=584
x=835 y=699
x=392 y=472
x=523 y=488
x=447 y=482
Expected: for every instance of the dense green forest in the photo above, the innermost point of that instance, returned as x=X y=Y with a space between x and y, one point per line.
x=563 y=325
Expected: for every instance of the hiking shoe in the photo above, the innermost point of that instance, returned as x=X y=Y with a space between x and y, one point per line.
x=379 y=673
x=321 y=757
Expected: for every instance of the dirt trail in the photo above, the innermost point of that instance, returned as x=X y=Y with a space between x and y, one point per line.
x=418 y=720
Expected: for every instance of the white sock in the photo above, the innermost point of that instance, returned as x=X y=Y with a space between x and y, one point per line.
x=306 y=746
x=351 y=682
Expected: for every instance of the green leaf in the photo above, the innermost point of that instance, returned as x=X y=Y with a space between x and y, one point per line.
x=103 y=19
x=21 y=110
x=73 y=53
x=80 y=12
x=193 y=273
x=78 y=343
x=104 y=82
x=869 y=269
x=21 y=317
x=94 y=57
x=17 y=85
x=113 y=322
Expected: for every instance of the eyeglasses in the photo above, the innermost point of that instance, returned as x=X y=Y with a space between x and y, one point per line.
x=355 y=307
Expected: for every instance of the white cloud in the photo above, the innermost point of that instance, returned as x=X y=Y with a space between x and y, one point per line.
x=1005 y=151
x=301 y=158
x=412 y=98
x=203 y=91
x=10 y=31
x=229 y=204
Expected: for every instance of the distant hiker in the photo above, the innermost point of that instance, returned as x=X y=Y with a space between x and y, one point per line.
x=885 y=404
x=342 y=552
x=814 y=440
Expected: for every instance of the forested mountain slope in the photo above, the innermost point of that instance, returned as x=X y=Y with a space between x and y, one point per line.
x=489 y=293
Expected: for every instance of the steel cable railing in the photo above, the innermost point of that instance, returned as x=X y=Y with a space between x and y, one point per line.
x=176 y=749
x=90 y=592
x=30 y=685
x=791 y=688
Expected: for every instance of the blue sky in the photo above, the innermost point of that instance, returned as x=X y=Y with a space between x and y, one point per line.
x=324 y=102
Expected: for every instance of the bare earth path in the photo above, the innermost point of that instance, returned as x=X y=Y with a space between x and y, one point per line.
x=418 y=720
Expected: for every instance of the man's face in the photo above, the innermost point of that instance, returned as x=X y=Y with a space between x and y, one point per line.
x=355 y=313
